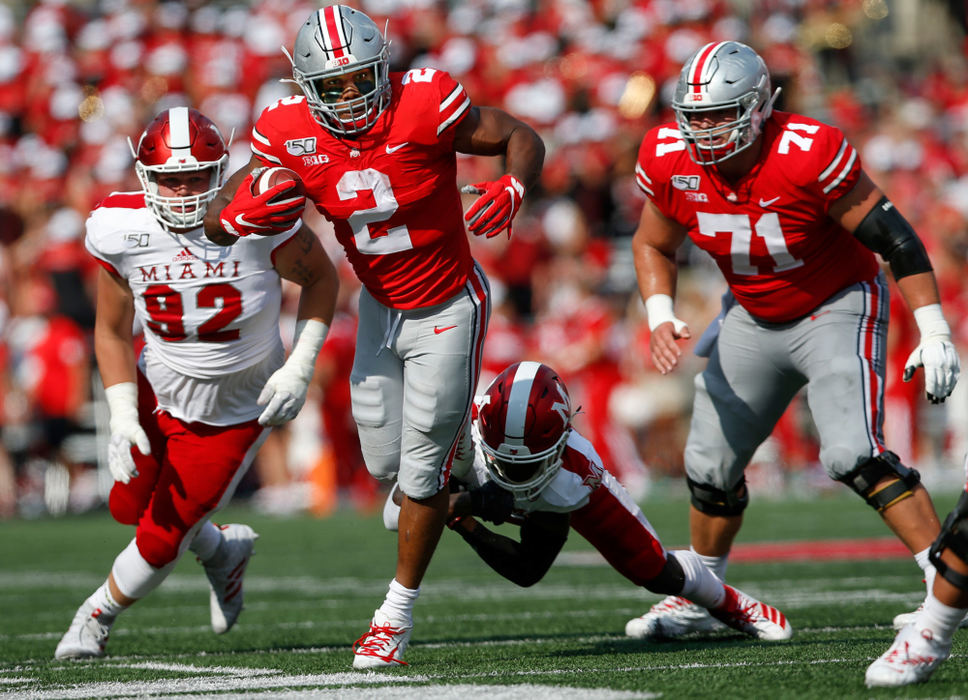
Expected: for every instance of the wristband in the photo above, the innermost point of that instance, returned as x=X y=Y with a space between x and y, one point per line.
x=931 y=321
x=659 y=310
x=308 y=341
x=122 y=400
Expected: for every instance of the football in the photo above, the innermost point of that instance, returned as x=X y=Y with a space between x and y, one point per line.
x=270 y=177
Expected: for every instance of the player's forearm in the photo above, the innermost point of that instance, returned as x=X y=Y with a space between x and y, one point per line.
x=506 y=556
x=115 y=357
x=919 y=290
x=318 y=280
x=525 y=155
x=655 y=272
x=212 y=222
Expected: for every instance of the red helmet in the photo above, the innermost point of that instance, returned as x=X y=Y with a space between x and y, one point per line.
x=180 y=140
x=523 y=422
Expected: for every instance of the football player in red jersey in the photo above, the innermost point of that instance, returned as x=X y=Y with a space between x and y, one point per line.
x=533 y=469
x=376 y=152
x=781 y=203
x=188 y=416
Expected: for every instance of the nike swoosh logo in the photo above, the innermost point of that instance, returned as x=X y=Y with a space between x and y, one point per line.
x=394 y=149
x=240 y=220
x=767 y=202
x=438 y=329
x=814 y=317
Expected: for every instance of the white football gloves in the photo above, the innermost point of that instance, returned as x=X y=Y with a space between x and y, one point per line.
x=126 y=431
x=935 y=353
x=285 y=391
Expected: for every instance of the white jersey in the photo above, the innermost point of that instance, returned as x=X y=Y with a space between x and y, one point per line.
x=207 y=311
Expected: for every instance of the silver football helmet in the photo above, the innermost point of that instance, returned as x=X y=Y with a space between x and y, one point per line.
x=335 y=41
x=722 y=75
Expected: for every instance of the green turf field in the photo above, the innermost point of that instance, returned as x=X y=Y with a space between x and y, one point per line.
x=313 y=585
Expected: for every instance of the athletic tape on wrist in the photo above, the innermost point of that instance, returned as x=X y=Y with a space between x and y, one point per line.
x=308 y=341
x=659 y=310
x=122 y=399
x=931 y=321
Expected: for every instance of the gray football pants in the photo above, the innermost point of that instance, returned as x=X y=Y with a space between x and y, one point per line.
x=413 y=379
x=837 y=352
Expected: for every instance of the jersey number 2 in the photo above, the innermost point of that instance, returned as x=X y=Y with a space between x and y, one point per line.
x=395 y=239
x=167 y=312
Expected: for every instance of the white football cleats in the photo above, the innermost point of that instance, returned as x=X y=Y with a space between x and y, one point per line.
x=86 y=637
x=225 y=574
x=912 y=658
x=383 y=645
x=671 y=618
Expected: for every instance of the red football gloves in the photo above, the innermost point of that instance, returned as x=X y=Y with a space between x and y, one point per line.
x=495 y=208
x=265 y=214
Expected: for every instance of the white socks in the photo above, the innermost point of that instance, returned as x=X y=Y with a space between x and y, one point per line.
x=702 y=587
x=715 y=564
x=398 y=604
x=102 y=599
x=942 y=620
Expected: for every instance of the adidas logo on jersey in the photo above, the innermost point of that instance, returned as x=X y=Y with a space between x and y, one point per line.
x=184 y=256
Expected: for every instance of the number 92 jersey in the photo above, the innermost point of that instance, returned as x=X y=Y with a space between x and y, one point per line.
x=206 y=310
x=391 y=193
x=769 y=232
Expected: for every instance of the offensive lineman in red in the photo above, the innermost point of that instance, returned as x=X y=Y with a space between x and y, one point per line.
x=781 y=203
x=376 y=152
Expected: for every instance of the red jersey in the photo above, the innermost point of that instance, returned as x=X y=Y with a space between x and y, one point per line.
x=769 y=232
x=390 y=193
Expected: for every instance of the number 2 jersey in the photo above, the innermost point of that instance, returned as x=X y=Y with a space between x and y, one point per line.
x=769 y=232
x=391 y=193
x=209 y=313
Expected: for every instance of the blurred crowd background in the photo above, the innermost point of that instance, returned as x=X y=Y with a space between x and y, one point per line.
x=77 y=79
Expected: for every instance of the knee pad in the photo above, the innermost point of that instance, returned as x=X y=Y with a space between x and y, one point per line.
x=670 y=580
x=953 y=536
x=864 y=477
x=712 y=501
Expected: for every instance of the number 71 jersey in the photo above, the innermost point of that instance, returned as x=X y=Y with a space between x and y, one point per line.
x=206 y=310
x=391 y=193
x=769 y=232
